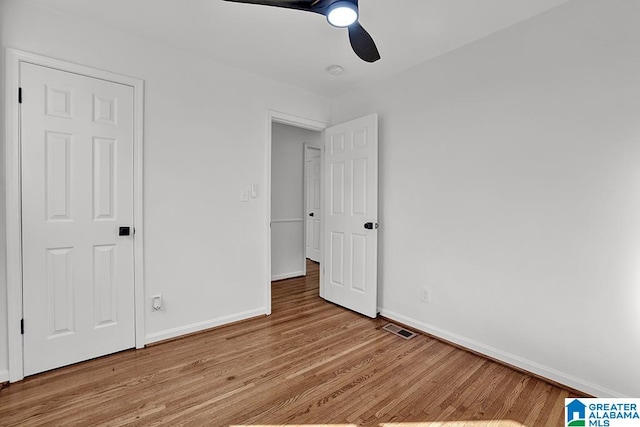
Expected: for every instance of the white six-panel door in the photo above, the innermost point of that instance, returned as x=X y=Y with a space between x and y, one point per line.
x=313 y=211
x=77 y=190
x=350 y=206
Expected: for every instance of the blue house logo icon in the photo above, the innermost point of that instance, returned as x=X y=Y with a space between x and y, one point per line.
x=576 y=413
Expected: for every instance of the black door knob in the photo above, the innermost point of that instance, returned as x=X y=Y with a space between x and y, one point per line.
x=370 y=225
x=311 y=214
x=124 y=231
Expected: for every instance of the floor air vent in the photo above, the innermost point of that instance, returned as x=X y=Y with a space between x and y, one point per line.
x=401 y=332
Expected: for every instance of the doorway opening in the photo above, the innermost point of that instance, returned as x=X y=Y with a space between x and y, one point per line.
x=295 y=200
x=349 y=227
x=291 y=141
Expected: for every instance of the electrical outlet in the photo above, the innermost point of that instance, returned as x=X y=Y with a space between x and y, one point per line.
x=425 y=295
x=156 y=302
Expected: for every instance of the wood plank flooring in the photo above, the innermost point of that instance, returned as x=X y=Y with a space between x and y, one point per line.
x=309 y=363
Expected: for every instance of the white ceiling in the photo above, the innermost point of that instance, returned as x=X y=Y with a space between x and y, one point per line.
x=295 y=47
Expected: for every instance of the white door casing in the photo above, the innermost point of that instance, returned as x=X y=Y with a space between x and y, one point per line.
x=77 y=191
x=313 y=213
x=351 y=201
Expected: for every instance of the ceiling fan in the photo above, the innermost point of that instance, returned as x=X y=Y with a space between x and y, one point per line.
x=339 y=13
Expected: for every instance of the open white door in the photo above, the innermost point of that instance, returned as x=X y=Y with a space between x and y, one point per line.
x=351 y=214
x=77 y=212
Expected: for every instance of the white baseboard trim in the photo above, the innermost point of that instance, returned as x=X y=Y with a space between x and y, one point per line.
x=287 y=275
x=201 y=326
x=4 y=376
x=519 y=362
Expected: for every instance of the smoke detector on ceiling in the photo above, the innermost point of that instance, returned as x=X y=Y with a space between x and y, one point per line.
x=335 y=70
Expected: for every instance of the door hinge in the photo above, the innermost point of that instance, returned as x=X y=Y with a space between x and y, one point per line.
x=19 y=95
x=21 y=326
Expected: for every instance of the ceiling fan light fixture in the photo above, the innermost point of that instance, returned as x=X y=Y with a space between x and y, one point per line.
x=342 y=14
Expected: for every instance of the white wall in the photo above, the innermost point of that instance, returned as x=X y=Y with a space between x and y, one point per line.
x=287 y=199
x=205 y=138
x=510 y=186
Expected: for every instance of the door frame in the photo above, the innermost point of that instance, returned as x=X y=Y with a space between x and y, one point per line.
x=306 y=147
x=290 y=120
x=13 y=176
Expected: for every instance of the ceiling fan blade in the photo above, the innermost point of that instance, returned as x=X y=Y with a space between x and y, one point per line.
x=362 y=43
x=306 y=5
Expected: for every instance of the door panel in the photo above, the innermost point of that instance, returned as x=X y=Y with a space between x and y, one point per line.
x=351 y=200
x=77 y=190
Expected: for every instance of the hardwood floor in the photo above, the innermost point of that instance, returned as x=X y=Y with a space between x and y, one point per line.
x=309 y=363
